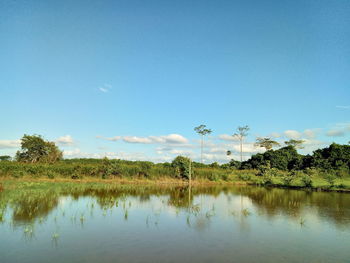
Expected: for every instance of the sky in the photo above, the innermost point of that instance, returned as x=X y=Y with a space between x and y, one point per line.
x=131 y=79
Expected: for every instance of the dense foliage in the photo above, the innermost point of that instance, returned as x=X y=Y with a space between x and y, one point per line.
x=326 y=168
x=334 y=157
x=109 y=169
x=35 y=149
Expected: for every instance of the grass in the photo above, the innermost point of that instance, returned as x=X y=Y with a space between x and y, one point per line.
x=127 y=172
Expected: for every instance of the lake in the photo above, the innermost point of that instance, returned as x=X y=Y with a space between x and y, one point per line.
x=71 y=222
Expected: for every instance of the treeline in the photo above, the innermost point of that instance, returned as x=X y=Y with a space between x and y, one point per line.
x=179 y=168
x=40 y=158
x=335 y=157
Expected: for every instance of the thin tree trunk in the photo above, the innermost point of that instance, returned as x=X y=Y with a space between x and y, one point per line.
x=202 y=150
x=241 y=150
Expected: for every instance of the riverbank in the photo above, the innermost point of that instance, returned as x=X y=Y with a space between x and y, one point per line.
x=128 y=172
x=316 y=184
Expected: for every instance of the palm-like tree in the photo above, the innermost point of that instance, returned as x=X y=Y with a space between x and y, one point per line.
x=242 y=132
x=266 y=143
x=202 y=130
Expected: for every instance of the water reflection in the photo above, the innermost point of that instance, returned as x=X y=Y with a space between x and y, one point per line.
x=28 y=205
x=171 y=223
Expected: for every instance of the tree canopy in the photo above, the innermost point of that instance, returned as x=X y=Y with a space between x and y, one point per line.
x=35 y=149
x=5 y=158
x=295 y=143
x=266 y=143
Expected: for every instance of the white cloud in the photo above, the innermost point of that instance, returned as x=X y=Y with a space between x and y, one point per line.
x=292 y=134
x=135 y=139
x=77 y=153
x=335 y=133
x=171 y=150
x=340 y=129
x=227 y=137
x=343 y=107
x=73 y=153
x=7 y=144
x=66 y=140
x=171 y=139
x=115 y=138
x=275 y=135
x=105 y=88
x=308 y=133
x=163 y=139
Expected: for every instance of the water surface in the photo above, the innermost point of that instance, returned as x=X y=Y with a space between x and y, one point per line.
x=104 y=223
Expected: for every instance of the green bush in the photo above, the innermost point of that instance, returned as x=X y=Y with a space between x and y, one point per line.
x=306 y=180
x=182 y=167
x=244 y=177
x=330 y=178
x=287 y=180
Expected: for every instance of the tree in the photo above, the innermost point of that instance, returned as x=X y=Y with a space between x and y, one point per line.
x=285 y=158
x=202 y=130
x=297 y=144
x=182 y=167
x=35 y=149
x=335 y=156
x=5 y=158
x=266 y=143
x=241 y=133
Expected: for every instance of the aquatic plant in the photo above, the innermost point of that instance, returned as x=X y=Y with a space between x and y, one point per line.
x=246 y=212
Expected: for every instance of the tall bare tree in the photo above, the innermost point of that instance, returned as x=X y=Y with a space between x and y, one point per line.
x=202 y=131
x=241 y=133
x=266 y=143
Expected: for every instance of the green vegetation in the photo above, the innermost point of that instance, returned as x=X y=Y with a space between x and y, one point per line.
x=326 y=169
x=266 y=143
x=202 y=130
x=35 y=149
x=241 y=133
x=5 y=158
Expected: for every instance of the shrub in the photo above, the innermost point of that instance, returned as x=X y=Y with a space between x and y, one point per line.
x=245 y=177
x=213 y=177
x=330 y=178
x=266 y=179
x=287 y=180
x=182 y=165
x=50 y=174
x=306 y=180
x=18 y=174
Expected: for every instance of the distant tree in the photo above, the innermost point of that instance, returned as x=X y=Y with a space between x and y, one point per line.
x=35 y=149
x=202 y=130
x=5 y=158
x=335 y=156
x=214 y=165
x=297 y=144
x=285 y=158
x=228 y=153
x=241 y=133
x=266 y=143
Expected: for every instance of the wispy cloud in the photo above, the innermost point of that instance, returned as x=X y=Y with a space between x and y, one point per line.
x=66 y=140
x=133 y=156
x=227 y=137
x=292 y=134
x=343 y=107
x=163 y=139
x=340 y=130
x=8 y=144
x=105 y=88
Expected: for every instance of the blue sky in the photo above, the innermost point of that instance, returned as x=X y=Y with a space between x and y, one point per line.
x=100 y=77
